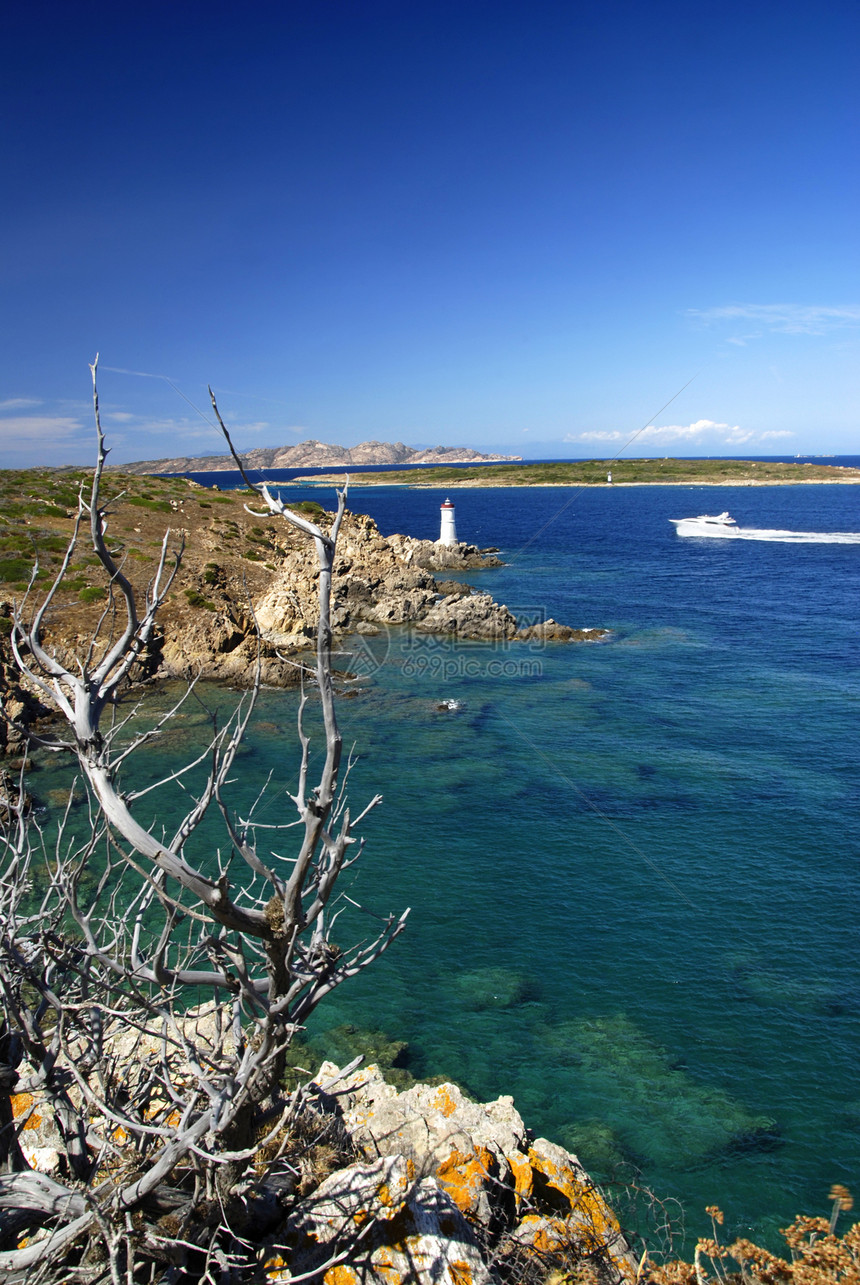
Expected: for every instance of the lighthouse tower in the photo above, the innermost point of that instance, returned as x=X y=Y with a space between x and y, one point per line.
x=447 y=531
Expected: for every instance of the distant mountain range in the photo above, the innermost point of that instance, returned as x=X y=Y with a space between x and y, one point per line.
x=315 y=454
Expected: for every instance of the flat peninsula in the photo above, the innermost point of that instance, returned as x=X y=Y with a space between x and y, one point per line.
x=648 y=472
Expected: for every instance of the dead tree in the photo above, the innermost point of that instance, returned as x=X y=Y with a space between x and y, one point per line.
x=150 y=987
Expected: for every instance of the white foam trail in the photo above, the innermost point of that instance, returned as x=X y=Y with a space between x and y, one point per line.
x=798 y=537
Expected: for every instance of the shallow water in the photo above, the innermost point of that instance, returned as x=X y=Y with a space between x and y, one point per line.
x=633 y=865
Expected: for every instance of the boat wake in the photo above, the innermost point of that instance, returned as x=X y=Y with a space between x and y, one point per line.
x=798 y=537
x=723 y=526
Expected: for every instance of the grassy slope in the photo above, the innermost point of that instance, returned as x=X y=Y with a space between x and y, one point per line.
x=37 y=508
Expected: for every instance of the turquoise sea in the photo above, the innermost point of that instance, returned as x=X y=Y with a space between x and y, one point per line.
x=633 y=866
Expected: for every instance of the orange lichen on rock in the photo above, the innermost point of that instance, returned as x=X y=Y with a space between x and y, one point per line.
x=22 y=1104
x=276 y=1269
x=444 y=1102
x=544 y=1235
x=340 y=1275
x=522 y=1175
x=464 y=1176
x=385 y=1267
x=583 y=1198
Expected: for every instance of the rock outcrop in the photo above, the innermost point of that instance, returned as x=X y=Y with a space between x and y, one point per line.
x=430 y=1188
x=247 y=590
x=390 y=580
x=378 y=580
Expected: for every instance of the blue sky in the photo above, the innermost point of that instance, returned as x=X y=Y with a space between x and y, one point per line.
x=517 y=226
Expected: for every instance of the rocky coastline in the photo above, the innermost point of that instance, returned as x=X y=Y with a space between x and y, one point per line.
x=422 y=1185
x=246 y=589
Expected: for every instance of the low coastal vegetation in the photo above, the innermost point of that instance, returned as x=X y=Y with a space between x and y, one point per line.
x=816 y=1254
x=626 y=472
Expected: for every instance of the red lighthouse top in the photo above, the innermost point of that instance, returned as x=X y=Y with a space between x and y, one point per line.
x=446 y=505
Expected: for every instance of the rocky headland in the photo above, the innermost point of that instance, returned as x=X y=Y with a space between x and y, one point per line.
x=246 y=584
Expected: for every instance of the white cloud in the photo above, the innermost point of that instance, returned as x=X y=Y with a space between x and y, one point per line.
x=29 y=440
x=700 y=430
x=38 y=428
x=19 y=403
x=777 y=432
x=781 y=318
x=593 y=437
x=141 y=374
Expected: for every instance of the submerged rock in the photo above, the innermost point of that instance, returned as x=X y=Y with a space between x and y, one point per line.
x=551 y=631
x=660 y=1111
x=491 y=988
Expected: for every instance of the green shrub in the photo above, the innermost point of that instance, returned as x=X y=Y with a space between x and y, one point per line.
x=15 y=542
x=55 y=543
x=92 y=593
x=161 y=506
x=196 y=599
x=15 y=570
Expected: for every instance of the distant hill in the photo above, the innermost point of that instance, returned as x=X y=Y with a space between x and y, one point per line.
x=315 y=454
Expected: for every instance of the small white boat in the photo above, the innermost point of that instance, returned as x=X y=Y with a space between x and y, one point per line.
x=722 y=525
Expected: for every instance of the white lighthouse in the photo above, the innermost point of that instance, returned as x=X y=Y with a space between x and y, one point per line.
x=447 y=530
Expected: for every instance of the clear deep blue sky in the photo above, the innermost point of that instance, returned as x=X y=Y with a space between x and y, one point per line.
x=518 y=226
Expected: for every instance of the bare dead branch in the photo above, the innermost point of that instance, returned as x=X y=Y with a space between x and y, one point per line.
x=150 y=987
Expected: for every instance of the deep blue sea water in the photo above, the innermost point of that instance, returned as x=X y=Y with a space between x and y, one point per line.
x=633 y=866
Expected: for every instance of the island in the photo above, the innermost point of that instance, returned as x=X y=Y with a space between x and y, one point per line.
x=314 y=454
x=644 y=472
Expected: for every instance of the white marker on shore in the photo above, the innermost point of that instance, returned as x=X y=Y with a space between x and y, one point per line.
x=447 y=530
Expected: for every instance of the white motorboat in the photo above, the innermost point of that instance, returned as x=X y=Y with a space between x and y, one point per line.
x=722 y=525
